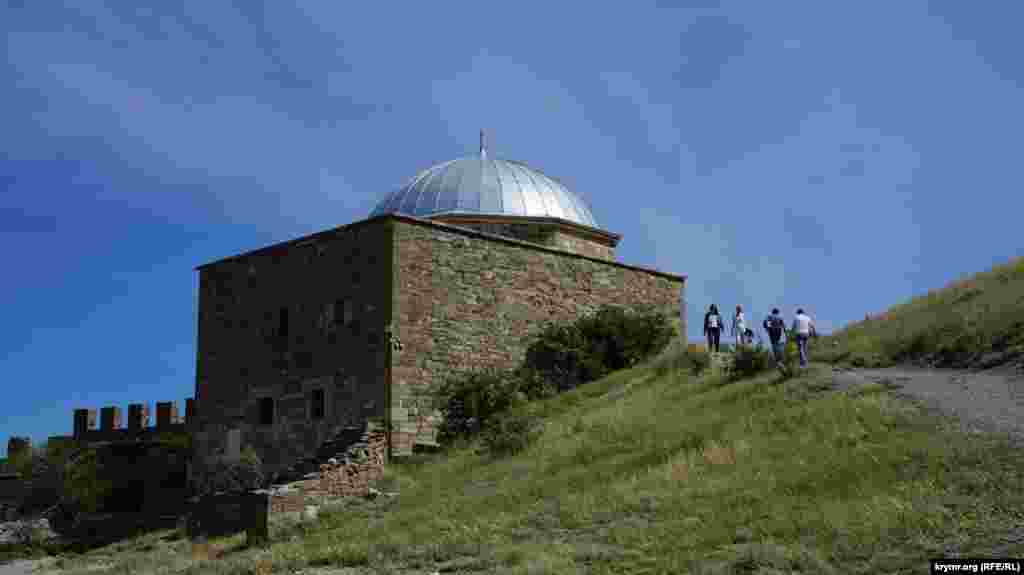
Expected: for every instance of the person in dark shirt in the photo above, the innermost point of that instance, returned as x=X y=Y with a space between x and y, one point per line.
x=713 y=328
x=776 y=328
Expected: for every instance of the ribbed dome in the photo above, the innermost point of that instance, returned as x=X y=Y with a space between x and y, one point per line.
x=481 y=185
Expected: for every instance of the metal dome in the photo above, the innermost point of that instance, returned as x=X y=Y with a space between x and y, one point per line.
x=482 y=185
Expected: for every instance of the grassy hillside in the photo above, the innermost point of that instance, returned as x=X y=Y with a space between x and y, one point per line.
x=977 y=322
x=655 y=471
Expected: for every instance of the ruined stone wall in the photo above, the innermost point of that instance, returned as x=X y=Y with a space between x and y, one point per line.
x=333 y=288
x=464 y=301
x=348 y=476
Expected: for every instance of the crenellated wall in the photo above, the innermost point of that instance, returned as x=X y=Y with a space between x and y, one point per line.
x=138 y=423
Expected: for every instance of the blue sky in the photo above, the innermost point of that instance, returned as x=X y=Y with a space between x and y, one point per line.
x=842 y=156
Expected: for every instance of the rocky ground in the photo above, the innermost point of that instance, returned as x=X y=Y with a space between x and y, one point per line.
x=983 y=401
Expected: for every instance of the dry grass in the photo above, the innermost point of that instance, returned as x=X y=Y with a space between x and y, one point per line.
x=967 y=323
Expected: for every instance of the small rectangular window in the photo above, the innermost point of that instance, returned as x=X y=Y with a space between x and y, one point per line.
x=282 y=323
x=343 y=312
x=267 y=411
x=318 y=404
x=326 y=320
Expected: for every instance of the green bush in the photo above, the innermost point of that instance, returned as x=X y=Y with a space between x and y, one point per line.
x=468 y=401
x=693 y=361
x=85 y=484
x=221 y=476
x=508 y=433
x=42 y=470
x=612 y=338
x=749 y=361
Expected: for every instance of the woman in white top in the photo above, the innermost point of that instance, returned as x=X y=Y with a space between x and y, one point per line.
x=739 y=326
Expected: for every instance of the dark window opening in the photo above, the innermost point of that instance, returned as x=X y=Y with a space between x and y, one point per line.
x=332 y=338
x=318 y=404
x=355 y=327
x=356 y=278
x=304 y=360
x=373 y=338
x=282 y=325
x=343 y=312
x=267 y=411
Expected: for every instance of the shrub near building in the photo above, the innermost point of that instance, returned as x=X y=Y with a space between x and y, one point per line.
x=560 y=358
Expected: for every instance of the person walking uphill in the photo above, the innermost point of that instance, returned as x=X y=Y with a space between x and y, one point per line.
x=713 y=328
x=739 y=326
x=776 y=328
x=803 y=326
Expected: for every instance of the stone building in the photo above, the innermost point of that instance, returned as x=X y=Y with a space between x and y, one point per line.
x=453 y=271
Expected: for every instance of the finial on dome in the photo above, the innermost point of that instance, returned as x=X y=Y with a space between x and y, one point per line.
x=483 y=145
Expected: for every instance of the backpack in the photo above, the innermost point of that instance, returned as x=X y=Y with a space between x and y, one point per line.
x=775 y=327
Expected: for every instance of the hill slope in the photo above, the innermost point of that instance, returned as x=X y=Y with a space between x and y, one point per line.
x=656 y=471
x=976 y=322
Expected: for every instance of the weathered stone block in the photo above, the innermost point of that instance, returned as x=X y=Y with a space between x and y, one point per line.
x=138 y=417
x=110 y=418
x=85 y=420
x=166 y=414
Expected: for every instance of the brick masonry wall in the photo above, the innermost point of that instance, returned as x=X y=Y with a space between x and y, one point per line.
x=331 y=345
x=465 y=302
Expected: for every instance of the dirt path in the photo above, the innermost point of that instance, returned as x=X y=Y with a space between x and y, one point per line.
x=985 y=401
x=989 y=401
x=25 y=567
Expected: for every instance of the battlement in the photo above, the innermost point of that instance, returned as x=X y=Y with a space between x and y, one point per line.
x=138 y=424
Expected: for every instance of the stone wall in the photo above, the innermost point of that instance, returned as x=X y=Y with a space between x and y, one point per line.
x=348 y=476
x=466 y=301
x=329 y=292
x=543 y=231
x=573 y=243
